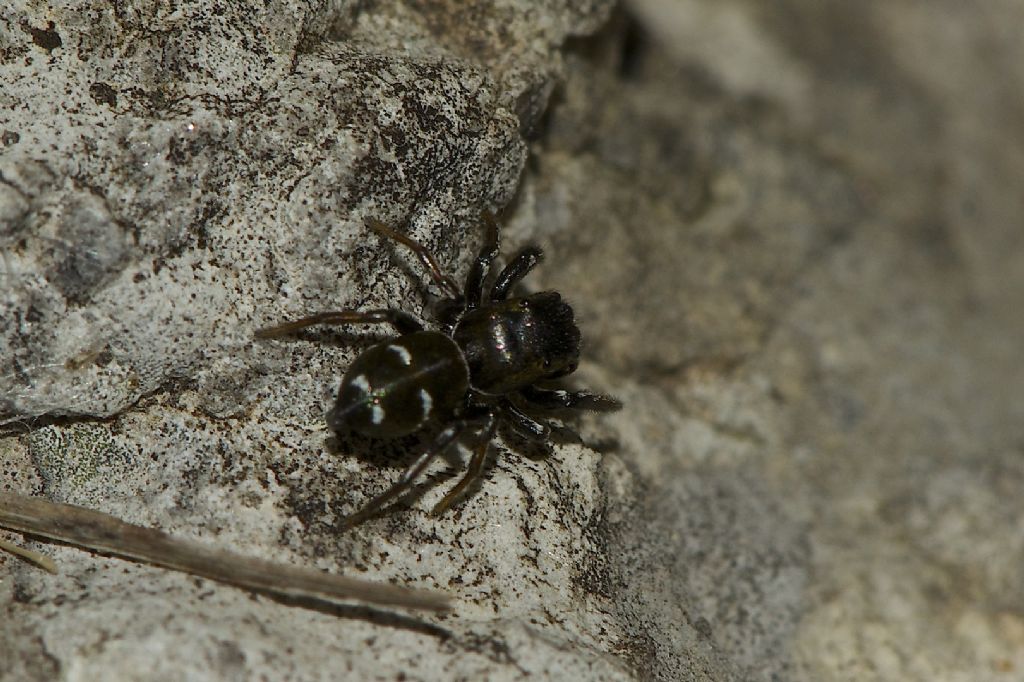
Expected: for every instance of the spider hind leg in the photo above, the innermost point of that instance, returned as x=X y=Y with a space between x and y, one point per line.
x=474 y=470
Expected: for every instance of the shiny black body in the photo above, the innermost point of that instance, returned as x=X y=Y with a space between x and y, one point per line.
x=516 y=343
x=395 y=387
x=484 y=367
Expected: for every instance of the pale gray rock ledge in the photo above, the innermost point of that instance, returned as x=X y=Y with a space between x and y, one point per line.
x=792 y=239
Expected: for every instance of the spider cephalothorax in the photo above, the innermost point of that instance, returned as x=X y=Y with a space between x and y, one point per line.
x=483 y=368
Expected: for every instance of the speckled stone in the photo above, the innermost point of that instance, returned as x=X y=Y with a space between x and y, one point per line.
x=791 y=238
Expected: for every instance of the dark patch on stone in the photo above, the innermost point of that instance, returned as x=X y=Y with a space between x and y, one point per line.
x=46 y=38
x=102 y=93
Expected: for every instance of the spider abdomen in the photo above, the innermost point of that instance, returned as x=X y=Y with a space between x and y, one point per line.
x=395 y=387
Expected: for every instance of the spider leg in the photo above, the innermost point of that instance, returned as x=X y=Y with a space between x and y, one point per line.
x=401 y=320
x=524 y=425
x=547 y=399
x=476 y=467
x=517 y=268
x=448 y=436
x=440 y=278
x=482 y=265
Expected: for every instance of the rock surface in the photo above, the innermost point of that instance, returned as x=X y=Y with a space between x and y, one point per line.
x=790 y=234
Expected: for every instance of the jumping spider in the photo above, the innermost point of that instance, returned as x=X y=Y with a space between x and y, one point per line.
x=483 y=367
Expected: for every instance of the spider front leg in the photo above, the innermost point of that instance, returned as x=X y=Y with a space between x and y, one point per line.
x=517 y=268
x=524 y=425
x=547 y=399
x=399 y=319
x=448 y=436
x=482 y=265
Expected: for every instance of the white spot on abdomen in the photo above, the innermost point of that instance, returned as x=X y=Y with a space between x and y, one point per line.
x=376 y=413
x=426 y=402
x=361 y=383
x=402 y=352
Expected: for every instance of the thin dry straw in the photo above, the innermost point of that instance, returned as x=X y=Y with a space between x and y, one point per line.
x=38 y=559
x=104 y=533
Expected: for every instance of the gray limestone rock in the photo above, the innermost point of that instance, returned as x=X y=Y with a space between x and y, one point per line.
x=791 y=237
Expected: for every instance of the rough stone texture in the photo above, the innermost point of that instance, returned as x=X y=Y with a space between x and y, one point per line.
x=791 y=234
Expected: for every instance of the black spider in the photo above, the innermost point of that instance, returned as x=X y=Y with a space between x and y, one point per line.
x=483 y=367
